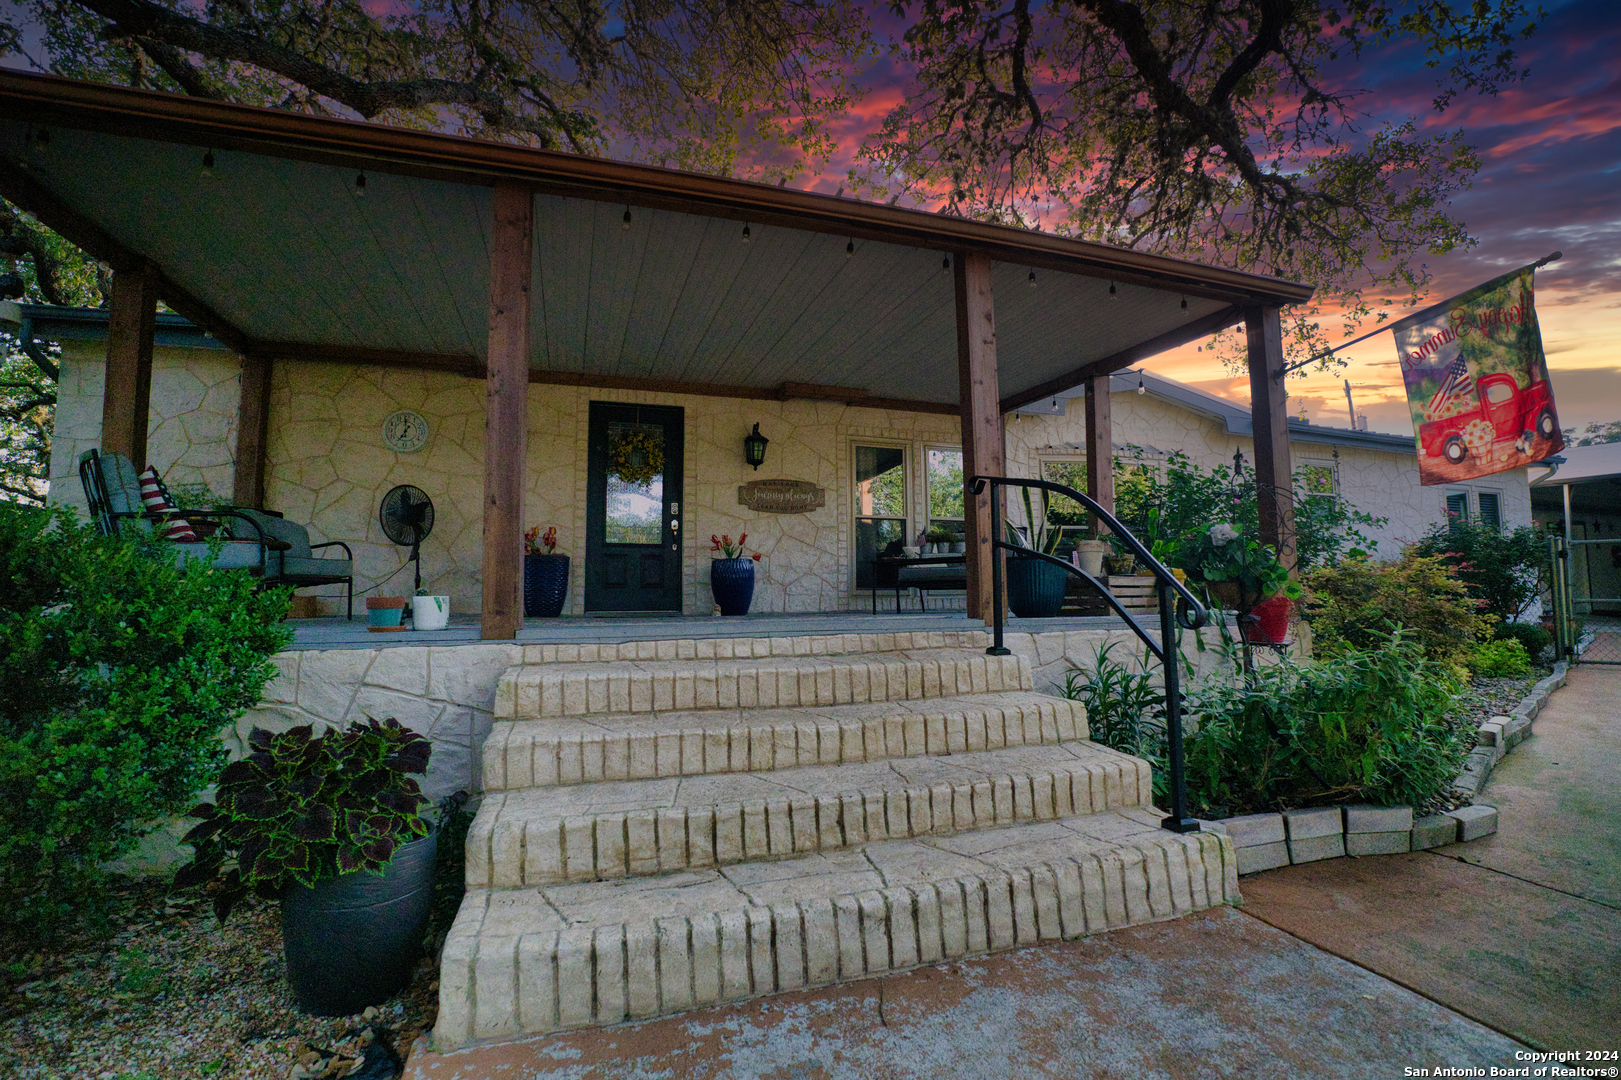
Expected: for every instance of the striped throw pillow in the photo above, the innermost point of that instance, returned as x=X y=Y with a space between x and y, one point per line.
x=156 y=500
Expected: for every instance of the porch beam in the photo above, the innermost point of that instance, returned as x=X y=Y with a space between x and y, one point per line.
x=126 y=397
x=252 y=433
x=1269 y=413
x=982 y=435
x=1193 y=330
x=1099 y=445
x=506 y=409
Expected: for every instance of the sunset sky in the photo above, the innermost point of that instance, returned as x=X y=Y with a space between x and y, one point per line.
x=1550 y=181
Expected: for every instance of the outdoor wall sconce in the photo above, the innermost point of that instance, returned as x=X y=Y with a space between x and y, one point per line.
x=754 y=448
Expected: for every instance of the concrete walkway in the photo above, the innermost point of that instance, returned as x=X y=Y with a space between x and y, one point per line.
x=1521 y=930
x=1516 y=935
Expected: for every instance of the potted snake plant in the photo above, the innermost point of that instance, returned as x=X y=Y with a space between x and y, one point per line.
x=330 y=825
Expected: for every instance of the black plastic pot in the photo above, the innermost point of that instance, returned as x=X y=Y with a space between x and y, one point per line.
x=545 y=585
x=353 y=940
x=1035 y=588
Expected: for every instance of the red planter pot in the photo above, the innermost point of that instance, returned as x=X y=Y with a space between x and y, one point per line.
x=1271 y=625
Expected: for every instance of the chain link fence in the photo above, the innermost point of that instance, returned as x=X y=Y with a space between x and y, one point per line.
x=1587 y=626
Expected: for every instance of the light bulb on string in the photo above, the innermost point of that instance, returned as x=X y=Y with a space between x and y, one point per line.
x=1141 y=389
x=747 y=234
x=1184 y=307
x=1112 y=294
x=360 y=186
x=208 y=164
x=627 y=217
x=1032 y=277
x=945 y=263
x=849 y=249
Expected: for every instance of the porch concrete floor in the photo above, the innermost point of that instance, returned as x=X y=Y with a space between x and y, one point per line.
x=572 y=629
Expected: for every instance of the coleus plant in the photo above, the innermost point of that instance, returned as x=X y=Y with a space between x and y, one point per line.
x=302 y=807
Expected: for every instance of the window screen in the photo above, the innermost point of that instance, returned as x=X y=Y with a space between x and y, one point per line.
x=1490 y=511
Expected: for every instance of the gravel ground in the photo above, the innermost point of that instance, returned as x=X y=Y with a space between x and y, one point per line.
x=1481 y=700
x=171 y=995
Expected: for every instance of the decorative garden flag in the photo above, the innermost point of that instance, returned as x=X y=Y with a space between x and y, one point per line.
x=1477 y=382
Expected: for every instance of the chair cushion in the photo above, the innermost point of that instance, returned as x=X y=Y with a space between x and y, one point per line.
x=294 y=535
x=234 y=555
x=933 y=577
x=292 y=568
x=157 y=501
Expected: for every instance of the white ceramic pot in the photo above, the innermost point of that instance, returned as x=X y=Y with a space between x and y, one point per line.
x=1089 y=556
x=430 y=612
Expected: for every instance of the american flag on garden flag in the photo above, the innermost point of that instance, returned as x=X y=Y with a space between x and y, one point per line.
x=1456 y=383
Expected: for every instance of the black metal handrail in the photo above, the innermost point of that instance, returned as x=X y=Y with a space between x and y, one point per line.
x=1190 y=614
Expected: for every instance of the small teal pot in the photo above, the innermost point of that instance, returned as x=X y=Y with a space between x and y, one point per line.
x=385 y=612
x=732 y=582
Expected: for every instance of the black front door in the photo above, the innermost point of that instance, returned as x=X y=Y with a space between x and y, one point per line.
x=633 y=508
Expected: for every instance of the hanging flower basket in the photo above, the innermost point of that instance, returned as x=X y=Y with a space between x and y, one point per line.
x=636 y=457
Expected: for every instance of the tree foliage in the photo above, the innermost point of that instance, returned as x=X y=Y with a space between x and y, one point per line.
x=1594 y=434
x=699 y=83
x=1212 y=129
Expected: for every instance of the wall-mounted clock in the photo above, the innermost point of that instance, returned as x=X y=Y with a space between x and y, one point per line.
x=405 y=431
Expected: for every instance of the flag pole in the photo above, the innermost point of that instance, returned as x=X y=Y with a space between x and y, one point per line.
x=1544 y=261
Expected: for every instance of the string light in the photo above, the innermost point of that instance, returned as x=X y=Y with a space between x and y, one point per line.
x=1184 y=307
x=1141 y=389
x=945 y=263
x=627 y=217
x=1112 y=294
x=208 y=164
x=849 y=249
x=1032 y=277
x=747 y=234
x=360 y=186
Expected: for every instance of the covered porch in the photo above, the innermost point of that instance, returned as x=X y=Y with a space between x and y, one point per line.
x=511 y=295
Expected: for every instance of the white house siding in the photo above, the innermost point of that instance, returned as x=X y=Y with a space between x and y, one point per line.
x=1380 y=482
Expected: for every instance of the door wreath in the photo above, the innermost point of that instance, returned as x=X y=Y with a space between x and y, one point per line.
x=636 y=456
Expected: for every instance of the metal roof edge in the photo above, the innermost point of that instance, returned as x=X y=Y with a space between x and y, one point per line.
x=52 y=322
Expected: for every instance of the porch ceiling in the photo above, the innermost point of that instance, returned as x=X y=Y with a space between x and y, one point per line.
x=277 y=255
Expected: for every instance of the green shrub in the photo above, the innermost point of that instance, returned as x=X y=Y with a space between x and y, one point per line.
x=1355 y=605
x=1503 y=658
x=1502 y=568
x=117 y=673
x=1535 y=638
x=1355 y=726
x=1125 y=709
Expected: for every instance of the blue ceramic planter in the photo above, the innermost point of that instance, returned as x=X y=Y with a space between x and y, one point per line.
x=545 y=585
x=732 y=581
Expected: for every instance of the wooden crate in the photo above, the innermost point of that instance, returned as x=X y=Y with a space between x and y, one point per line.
x=1135 y=593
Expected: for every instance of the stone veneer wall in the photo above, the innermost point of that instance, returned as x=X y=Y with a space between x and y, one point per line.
x=329 y=468
x=191 y=434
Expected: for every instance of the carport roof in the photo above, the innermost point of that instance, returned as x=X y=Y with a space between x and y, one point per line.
x=275 y=255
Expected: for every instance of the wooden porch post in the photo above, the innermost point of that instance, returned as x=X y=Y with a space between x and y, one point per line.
x=1274 y=472
x=1099 y=445
x=506 y=405
x=981 y=412
x=127 y=393
x=252 y=433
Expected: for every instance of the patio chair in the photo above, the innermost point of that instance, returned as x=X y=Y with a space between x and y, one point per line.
x=112 y=487
x=297 y=564
x=278 y=551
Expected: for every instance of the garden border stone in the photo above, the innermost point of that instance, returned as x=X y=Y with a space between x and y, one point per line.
x=1266 y=841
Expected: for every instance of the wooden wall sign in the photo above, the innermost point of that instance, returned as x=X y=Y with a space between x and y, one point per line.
x=781 y=496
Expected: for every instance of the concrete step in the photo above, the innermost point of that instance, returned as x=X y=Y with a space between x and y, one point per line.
x=642 y=746
x=538 y=691
x=526 y=961
x=740 y=648
x=611 y=829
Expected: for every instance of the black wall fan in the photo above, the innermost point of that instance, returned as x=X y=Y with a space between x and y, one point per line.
x=407 y=519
